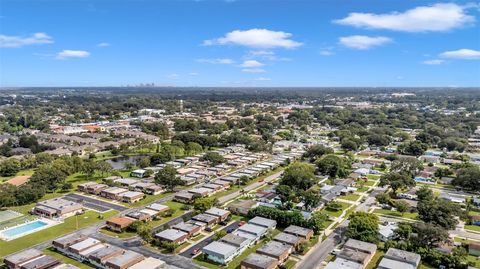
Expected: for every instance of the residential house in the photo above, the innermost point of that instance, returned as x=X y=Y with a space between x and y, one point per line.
x=263 y=222
x=15 y=261
x=304 y=233
x=124 y=260
x=221 y=214
x=276 y=250
x=220 y=252
x=57 y=208
x=396 y=258
x=172 y=235
x=257 y=261
x=119 y=224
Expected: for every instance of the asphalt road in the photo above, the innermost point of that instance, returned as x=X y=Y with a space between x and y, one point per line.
x=187 y=253
x=94 y=204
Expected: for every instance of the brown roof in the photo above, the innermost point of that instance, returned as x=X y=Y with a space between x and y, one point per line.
x=19 y=180
x=120 y=221
x=474 y=246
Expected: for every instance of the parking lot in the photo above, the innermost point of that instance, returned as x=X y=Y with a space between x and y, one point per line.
x=94 y=204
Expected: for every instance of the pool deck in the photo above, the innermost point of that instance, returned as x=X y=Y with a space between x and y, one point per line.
x=49 y=222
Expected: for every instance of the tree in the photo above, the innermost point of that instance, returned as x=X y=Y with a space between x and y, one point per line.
x=193 y=148
x=468 y=178
x=425 y=194
x=203 y=204
x=89 y=168
x=383 y=198
x=298 y=176
x=363 y=226
x=349 y=144
x=244 y=180
x=9 y=167
x=428 y=235
x=144 y=162
x=439 y=212
x=219 y=234
x=415 y=148
x=408 y=165
x=168 y=178
x=402 y=206
x=332 y=165
x=67 y=186
x=285 y=193
x=403 y=231
x=397 y=181
x=310 y=198
x=214 y=158
x=104 y=167
x=317 y=221
x=317 y=151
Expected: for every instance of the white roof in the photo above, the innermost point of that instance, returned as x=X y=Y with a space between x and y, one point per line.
x=149 y=262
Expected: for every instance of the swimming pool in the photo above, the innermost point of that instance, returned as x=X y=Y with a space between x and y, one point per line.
x=24 y=228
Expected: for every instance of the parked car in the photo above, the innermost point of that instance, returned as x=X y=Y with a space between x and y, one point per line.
x=195 y=251
x=208 y=229
x=242 y=223
x=230 y=230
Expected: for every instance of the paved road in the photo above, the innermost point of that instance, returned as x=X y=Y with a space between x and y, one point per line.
x=95 y=204
x=187 y=253
x=314 y=258
x=248 y=188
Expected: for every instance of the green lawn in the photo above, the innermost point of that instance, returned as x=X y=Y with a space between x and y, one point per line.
x=27 y=172
x=235 y=263
x=149 y=199
x=124 y=234
x=350 y=197
x=474 y=228
x=173 y=205
x=407 y=215
x=375 y=260
x=290 y=263
x=474 y=260
x=65 y=259
x=336 y=214
x=198 y=237
x=68 y=226
x=363 y=189
x=369 y=183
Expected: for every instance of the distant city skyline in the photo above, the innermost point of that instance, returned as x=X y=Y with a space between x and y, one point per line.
x=241 y=43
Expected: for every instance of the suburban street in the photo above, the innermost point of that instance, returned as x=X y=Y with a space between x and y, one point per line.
x=248 y=188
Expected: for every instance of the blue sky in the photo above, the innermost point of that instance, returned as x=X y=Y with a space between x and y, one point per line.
x=239 y=43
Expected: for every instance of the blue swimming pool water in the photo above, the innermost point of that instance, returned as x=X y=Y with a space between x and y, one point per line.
x=24 y=228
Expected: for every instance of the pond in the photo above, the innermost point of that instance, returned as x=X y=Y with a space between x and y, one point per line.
x=118 y=163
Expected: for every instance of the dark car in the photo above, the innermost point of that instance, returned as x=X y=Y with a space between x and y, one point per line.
x=208 y=229
x=223 y=223
x=230 y=230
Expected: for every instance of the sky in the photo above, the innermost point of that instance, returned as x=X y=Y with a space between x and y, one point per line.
x=244 y=43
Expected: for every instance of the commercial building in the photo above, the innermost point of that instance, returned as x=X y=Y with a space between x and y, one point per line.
x=57 y=208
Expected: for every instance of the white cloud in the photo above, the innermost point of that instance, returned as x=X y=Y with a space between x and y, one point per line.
x=253 y=70
x=20 y=41
x=433 y=62
x=435 y=18
x=64 y=54
x=251 y=63
x=264 y=55
x=464 y=54
x=263 y=79
x=362 y=42
x=327 y=51
x=256 y=38
x=103 y=44
x=193 y=74
x=173 y=76
x=216 y=61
